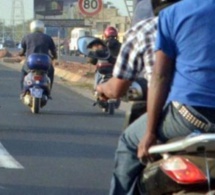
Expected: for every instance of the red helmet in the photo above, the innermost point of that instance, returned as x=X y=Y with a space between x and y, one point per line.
x=110 y=31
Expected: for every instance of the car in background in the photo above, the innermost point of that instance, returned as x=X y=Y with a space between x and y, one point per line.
x=9 y=43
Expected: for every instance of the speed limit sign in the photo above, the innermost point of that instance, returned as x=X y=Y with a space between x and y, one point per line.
x=90 y=7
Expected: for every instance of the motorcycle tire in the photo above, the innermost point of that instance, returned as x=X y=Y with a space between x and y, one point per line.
x=35 y=108
x=111 y=108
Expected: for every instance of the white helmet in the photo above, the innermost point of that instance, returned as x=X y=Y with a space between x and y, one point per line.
x=37 y=25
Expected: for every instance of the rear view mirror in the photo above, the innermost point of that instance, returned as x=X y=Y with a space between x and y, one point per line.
x=93 y=47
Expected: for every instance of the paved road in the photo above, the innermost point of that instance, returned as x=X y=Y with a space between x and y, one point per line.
x=68 y=149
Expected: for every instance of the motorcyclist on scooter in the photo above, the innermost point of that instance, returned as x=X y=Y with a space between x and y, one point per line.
x=136 y=57
x=104 y=68
x=98 y=49
x=111 y=40
x=37 y=42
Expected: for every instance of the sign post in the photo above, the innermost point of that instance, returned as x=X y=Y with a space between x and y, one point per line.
x=90 y=7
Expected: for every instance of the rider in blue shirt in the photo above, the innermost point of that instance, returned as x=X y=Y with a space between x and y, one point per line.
x=183 y=76
x=186 y=35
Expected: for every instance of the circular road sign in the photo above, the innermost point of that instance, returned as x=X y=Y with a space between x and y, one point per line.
x=90 y=7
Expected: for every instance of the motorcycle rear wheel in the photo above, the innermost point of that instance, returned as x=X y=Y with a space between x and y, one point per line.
x=35 y=108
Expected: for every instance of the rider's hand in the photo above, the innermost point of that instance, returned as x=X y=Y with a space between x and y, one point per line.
x=101 y=96
x=146 y=142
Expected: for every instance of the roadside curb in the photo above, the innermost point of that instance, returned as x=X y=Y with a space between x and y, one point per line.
x=69 y=76
x=60 y=72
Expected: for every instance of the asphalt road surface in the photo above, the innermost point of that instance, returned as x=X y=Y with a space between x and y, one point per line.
x=67 y=149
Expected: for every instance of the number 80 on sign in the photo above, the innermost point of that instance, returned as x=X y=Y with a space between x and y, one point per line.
x=90 y=7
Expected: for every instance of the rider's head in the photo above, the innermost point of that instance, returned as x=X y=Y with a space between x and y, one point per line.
x=110 y=31
x=158 y=5
x=37 y=26
x=96 y=44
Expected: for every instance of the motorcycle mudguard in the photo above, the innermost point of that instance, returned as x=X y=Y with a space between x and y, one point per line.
x=36 y=92
x=155 y=182
x=29 y=82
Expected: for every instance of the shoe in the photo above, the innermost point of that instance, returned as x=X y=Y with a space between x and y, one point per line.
x=50 y=97
x=21 y=96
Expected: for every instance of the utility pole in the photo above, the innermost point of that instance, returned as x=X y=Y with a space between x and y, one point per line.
x=130 y=7
x=2 y=30
x=18 y=20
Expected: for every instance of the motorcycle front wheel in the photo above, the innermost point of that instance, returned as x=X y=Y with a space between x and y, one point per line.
x=111 y=108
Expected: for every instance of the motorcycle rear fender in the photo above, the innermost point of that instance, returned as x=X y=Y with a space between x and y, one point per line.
x=29 y=79
x=29 y=82
x=154 y=181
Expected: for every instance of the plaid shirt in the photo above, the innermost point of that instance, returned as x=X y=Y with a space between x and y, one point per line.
x=136 y=56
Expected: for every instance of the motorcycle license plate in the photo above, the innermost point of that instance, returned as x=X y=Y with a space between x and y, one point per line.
x=36 y=92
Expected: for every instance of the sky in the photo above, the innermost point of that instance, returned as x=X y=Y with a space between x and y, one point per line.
x=6 y=8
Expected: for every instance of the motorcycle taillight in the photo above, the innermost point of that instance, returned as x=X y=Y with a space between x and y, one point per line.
x=38 y=77
x=182 y=171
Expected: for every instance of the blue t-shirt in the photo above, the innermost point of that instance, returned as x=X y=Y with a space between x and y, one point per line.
x=186 y=33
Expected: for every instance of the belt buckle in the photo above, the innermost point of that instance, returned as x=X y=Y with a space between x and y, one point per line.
x=186 y=114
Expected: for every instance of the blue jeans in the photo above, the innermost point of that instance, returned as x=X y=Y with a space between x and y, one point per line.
x=127 y=166
x=97 y=78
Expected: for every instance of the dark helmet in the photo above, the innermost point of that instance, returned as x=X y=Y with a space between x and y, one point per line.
x=158 y=5
x=95 y=41
x=110 y=31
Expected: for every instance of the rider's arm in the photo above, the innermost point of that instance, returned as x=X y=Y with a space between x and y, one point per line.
x=23 y=45
x=114 y=88
x=53 y=49
x=158 y=89
x=92 y=61
x=159 y=84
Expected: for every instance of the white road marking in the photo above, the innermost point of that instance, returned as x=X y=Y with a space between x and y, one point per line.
x=7 y=161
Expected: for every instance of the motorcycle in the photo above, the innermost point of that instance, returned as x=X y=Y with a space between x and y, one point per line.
x=36 y=83
x=103 y=72
x=183 y=166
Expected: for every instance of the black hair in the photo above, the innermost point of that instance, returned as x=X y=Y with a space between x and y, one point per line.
x=96 y=41
x=158 y=5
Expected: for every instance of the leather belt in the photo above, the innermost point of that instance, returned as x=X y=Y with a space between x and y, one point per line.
x=185 y=113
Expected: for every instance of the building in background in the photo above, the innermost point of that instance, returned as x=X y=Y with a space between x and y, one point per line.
x=68 y=11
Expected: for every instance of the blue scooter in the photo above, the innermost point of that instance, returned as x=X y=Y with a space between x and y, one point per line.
x=36 y=83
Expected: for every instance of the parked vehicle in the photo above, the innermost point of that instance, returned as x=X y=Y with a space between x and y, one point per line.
x=76 y=33
x=36 y=82
x=103 y=71
x=9 y=44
